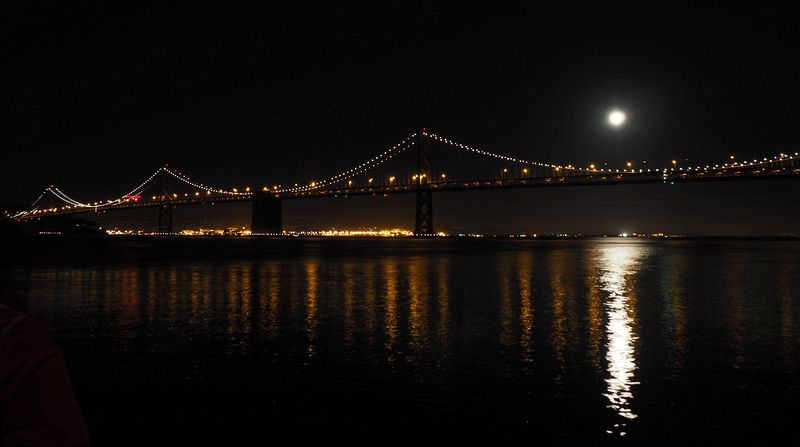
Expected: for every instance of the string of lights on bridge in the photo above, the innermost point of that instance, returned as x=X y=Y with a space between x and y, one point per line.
x=130 y=196
x=490 y=154
x=208 y=189
x=372 y=163
x=592 y=168
x=363 y=167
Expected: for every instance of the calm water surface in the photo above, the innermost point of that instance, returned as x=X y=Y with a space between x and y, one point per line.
x=592 y=341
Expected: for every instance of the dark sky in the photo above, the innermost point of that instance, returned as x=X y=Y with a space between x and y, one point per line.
x=97 y=99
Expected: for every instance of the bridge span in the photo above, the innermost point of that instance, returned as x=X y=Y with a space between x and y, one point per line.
x=420 y=180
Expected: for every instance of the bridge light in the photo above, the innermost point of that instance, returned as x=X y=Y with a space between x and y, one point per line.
x=235 y=190
x=505 y=170
x=444 y=176
x=370 y=180
x=265 y=189
x=391 y=179
x=247 y=189
x=525 y=170
x=313 y=184
x=591 y=167
x=196 y=194
x=208 y=193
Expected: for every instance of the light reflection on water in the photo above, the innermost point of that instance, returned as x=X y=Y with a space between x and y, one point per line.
x=568 y=323
x=311 y=306
x=559 y=296
x=526 y=316
x=617 y=265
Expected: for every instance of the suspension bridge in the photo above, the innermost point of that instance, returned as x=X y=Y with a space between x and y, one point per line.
x=405 y=168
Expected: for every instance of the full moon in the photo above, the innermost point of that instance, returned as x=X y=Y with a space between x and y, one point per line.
x=616 y=118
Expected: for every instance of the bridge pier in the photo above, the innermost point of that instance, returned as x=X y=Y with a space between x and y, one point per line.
x=267 y=214
x=423 y=225
x=165 y=218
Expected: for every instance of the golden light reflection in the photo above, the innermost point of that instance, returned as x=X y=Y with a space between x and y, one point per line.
x=273 y=291
x=617 y=262
x=443 y=299
x=369 y=302
x=107 y=277
x=195 y=290
x=418 y=291
x=737 y=291
x=173 y=319
x=558 y=269
x=261 y=300
x=152 y=282
x=199 y=295
x=206 y=301
x=349 y=285
x=595 y=322
x=674 y=311
x=233 y=307
x=312 y=267
x=94 y=290
x=525 y=271
x=507 y=319
x=246 y=299
x=128 y=320
x=391 y=329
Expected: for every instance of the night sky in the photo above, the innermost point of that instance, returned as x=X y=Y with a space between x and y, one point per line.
x=97 y=99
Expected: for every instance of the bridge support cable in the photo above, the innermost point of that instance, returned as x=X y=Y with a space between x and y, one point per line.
x=31 y=208
x=67 y=199
x=423 y=225
x=485 y=153
x=197 y=185
x=362 y=168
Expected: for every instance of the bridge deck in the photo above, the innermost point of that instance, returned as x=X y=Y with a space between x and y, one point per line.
x=593 y=179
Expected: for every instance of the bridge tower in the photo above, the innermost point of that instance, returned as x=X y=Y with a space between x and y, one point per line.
x=166 y=206
x=165 y=217
x=424 y=218
x=267 y=213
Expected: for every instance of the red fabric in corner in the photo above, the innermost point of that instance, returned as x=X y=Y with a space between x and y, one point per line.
x=37 y=406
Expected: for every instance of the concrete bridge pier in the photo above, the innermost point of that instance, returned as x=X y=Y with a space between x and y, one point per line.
x=267 y=216
x=165 y=217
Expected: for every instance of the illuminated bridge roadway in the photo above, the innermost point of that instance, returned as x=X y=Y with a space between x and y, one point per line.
x=374 y=177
